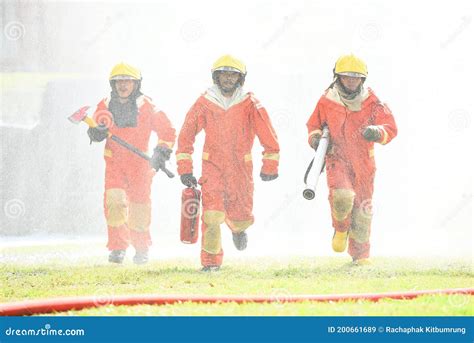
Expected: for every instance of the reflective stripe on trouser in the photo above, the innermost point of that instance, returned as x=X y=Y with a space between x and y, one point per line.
x=134 y=231
x=213 y=241
x=127 y=203
x=211 y=246
x=116 y=215
x=226 y=196
x=139 y=216
x=359 y=244
x=342 y=202
x=350 y=194
x=211 y=234
x=116 y=207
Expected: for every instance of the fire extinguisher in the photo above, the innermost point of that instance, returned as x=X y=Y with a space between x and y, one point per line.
x=190 y=214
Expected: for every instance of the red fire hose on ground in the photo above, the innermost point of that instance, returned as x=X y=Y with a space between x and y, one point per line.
x=23 y=308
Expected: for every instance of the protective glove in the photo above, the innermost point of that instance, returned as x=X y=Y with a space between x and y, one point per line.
x=266 y=177
x=372 y=133
x=98 y=133
x=160 y=155
x=188 y=180
x=315 y=139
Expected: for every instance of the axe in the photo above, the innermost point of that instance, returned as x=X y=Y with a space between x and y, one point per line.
x=81 y=115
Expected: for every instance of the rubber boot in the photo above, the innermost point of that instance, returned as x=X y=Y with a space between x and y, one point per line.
x=240 y=240
x=141 y=257
x=339 y=241
x=116 y=256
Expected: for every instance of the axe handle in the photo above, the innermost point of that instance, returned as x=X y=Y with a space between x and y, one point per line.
x=89 y=121
x=92 y=123
x=138 y=152
x=130 y=147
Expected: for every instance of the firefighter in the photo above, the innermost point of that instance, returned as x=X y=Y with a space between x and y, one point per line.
x=356 y=120
x=231 y=118
x=128 y=177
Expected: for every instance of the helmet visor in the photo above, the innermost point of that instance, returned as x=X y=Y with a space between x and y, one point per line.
x=352 y=74
x=227 y=69
x=122 y=77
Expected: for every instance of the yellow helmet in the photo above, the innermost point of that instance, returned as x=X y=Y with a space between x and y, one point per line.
x=351 y=65
x=229 y=63
x=124 y=71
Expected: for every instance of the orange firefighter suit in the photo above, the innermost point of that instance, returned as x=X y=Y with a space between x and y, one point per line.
x=227 y=181
x=350 y=163
x=128 y=177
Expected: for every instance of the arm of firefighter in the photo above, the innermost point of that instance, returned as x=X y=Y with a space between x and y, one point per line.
x=314 y=124
x=165 y=130
x=193 y=123
x=386 y=123
x=268 y=139
x=98 y=131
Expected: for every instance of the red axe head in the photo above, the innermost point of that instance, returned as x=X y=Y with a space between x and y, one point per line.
x=79 y=115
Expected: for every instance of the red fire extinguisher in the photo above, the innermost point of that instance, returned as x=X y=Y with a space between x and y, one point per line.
x=190 y=213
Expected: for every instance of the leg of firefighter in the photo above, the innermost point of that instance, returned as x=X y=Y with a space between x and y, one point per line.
x=212 y=253
x=140 y=179
x=359 y=237
x=212 y=218
x=341 y=200
x=239 y=203
x=116 y=211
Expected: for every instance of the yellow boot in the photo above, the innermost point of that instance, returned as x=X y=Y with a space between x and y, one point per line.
x=362 y=262
x=339 y=241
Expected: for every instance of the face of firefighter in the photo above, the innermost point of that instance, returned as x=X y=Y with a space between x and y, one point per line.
x=228 y=82
x=124 y=88
x=351 y=83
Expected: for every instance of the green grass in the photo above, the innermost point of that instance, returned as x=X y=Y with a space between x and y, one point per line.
x=275 y=277
x=423 y=306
